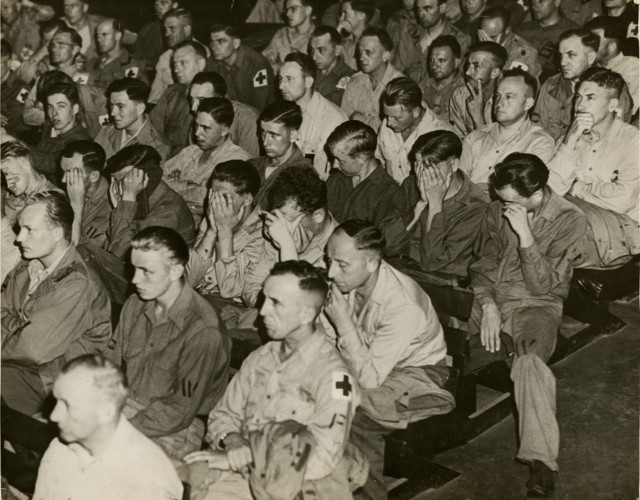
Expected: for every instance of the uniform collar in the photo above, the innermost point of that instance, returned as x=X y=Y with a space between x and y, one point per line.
x=176 y=313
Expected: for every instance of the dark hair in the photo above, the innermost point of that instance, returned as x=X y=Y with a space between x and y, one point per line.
x=310 y=278
x=612 y=28
x=498 y=52
x=136 y=89
x=437 y=146
x=218 y=83
x=524 y=172
x=604 y=78
x=305 y=62
x=301 y=185
x=14 y=149
x=197 y=47
x=403 y=91
x=334 y=36
x=358 y=138
x=239 y=173
x=529 y=80
x=498 y=12
x=137 y=155
x=162 y=238
x=220 y=108
x=51 y=25
x=49 y=78
x=5 y=48
x=115 y=24
x=286 y=112
x=93 y=155
x=181 y=13
x=383 y=37
x=68 y=90
x=106 y=376
x=229 y=29
x=447 y=41
x=588 y=39
x=366 y=235
x=57 y=209
x=76 y=39
x=364 y=6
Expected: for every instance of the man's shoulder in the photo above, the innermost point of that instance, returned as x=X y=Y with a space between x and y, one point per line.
x=252 y=58
x=245 y=111
x=327 y=108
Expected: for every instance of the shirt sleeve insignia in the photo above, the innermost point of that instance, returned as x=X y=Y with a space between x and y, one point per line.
x=81 y=78
x=520 y=65
x=103 y=120
x=342 y=84
x=260 y=78
x=22 y=95
x=341 y=386
x=132 y=72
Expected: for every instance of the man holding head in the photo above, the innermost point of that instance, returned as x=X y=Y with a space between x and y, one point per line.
x=528 y=242
x=295 y=36
x=98 y=453
x=511 y=132
x=54 y=307
x=355 y=18
x=319 y=115
x=362 y=94
x=333 y=73
x=82 y=163
x=130 y=124
x=298 y=377
x=188 y=172
x=387 y=331
x=184 y=370
x=597 y=164
x=248 y=74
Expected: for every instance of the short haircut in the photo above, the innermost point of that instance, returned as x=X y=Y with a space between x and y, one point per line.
x=197 y=47
x=447 y=41
x=136 y=89
x=160 y=238
x=588 y=39
x=5 y=48
x=334 y=36
x=604 y=78
x=364 y=6
x=106 y=376
x=611 y=27
x=287 y=113
x=14 y=149
x=310 y=278
x=240 y=174
x=218 y=83
x=403 y=91
x=76 y=39
x=137 y=155
x=498 y=52
x=220 y=108
x=524 y=172
x=68 y=90
x=115 y=24
x=48 y=79
x=498 y=12
x=305 y=62
x=366 y=235
x=383 y=37
x=437 y=146
x=299 y=184
x=51 y=25
x=58 y=210
x=229 y=29
x=357 y=138
x=93 y=155
x=529 y=80
x=180 y=13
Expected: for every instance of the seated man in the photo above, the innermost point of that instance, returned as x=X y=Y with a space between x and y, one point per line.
x=300 y=378
x=244 y=128
x=359 y=187
x=20 y=25
x=446 y=207
x=62 y=126
x=184 y=371
x=511 y=132
x=333 y=73
x=471 y=104
x=129 y=121
x=54 y=307
x=597 y=164
x=355 y=18
x=82 y=163
x=389 y=335
x=295 y=36
x=188 y=172
x=98 y=453
x=528 y=242
x=149 y=44
x=297 y=227
x=361 y=100
x=247 y=72
x=319 y=115
x=471 y=12
x=280 y=124
x=405 y=119
x=402 y=21
x=229 y=239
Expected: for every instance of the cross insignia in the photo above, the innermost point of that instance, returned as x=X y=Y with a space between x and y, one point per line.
x=22 y=95
x=260 y=78
x=132 y=72
x=103 y=120
x=342 y=387
x=81 y=78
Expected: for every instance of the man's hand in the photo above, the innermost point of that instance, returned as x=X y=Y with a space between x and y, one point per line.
x=134 y=183
x=490 y=327
x=3 y=120
x=280 y=229
x=215 y=459
x=224 y=215
x=581 y=125
x=337 y=309
x=475 y=103
x=433 y=186
x=238 y=452
x=115 y=192
x=517 y=217
x=75 y=188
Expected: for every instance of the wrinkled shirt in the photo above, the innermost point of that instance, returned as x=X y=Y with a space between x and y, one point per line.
x=284 y=42
x=95 y=215
x=438 y=96
x=332 y=84
x=459 y=116
x=521 y=54
x=113 y=140
x=102 y=73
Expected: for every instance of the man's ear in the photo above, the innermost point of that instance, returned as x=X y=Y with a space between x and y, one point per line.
x=373 y=261
x=141 y=107
x=202 y=63
x=319 y=215
x=118 y=36
x=94 y=176
x=236 y=43
x=294 y=135
x=107 y=412
x=456 y=61
x=308 y=82
x=529 y=103
x=454 y=163
x=591 y=57
x=225 y=131
x=495 y=73
x=85 y=8
x=76 y=109
x=386 y=55
x=58 y=233
x=614 y=104
x=176 y=271
x=187 y=30
x=337 y=50
x=247 y=200
x=307 y=315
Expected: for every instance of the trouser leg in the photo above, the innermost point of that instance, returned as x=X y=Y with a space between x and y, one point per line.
x=368 y=436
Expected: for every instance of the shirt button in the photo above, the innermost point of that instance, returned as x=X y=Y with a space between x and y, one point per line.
x=268 y=396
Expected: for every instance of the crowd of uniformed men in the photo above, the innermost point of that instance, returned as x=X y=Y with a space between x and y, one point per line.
x=199 y=194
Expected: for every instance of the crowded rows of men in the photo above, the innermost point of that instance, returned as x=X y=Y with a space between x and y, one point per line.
x=164 y=199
